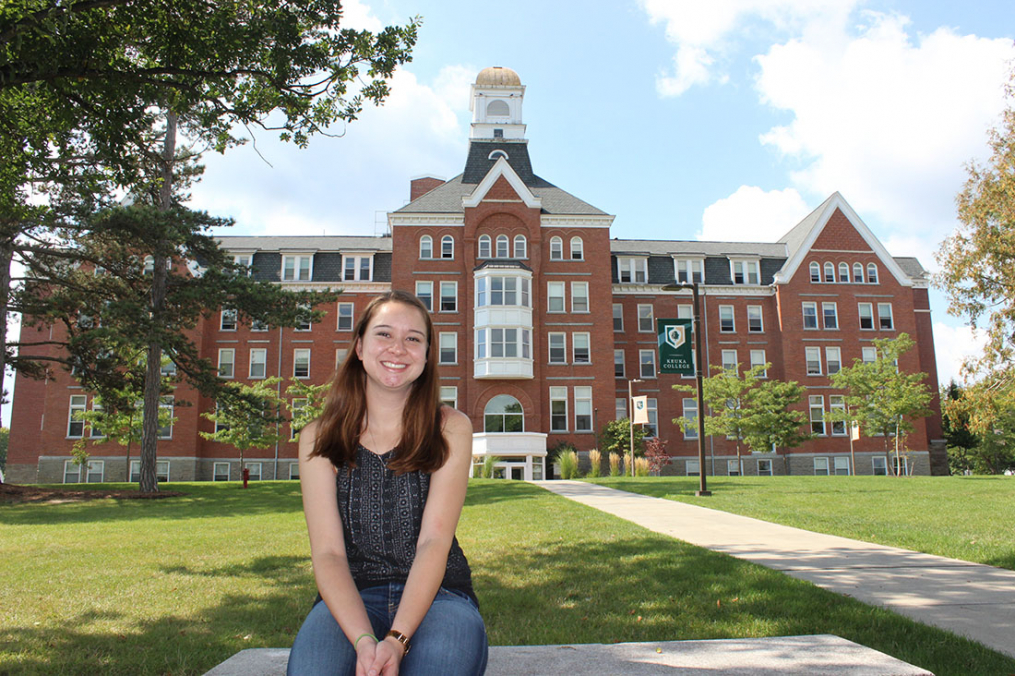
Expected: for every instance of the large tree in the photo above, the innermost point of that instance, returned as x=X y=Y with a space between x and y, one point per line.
x=115 y=82
x=884 y=398
x=773 y=422
x=726 y=394
x=978 y=268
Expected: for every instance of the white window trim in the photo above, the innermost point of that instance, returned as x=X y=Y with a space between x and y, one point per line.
x=452 y=256
x=357 y=267
x=690 y=263
x=575 y=296
x=555 y=396
x=296 y=353
x=352 y=317
x=71 y=408
x=633 y=265
x=454 y=296
x=733 y=317
x=441 y=347
x=651 y=318
x=550 y=347
x=251 y=362
x=746 y=262
x=641 y=363
x=232 y=362
x=296 y=267
x=425 y=238
x=563 y=298
x=574 y=347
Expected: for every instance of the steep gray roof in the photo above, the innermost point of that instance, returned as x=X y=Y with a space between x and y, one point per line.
x=301 y=243
x=447 y=199
x=794 y=239
x=664 y=247
x=911 y=266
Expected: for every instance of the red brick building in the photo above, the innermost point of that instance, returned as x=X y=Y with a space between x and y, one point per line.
x=542 y=319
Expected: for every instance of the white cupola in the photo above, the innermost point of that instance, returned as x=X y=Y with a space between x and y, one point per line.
x=497 y=105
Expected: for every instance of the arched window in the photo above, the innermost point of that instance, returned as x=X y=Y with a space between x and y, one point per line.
x=872 y=273
x=498 y=108
x=815 y=273
x=521 y=247
x=496 y=155
x=447 y=246
x=484 y=246
x=858 y=273
x=829 y=273
x=426 y=246
x=556 y=249
x=577 y=249
x=503 y=413
x=502 y=247
x=843 y=273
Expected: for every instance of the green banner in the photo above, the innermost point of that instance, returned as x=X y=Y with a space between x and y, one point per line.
x=675 y=340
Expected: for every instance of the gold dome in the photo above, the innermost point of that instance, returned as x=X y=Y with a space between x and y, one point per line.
x=498 y=76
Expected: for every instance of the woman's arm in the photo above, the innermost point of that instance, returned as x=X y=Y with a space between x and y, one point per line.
x=437 y=531
x=327 y=547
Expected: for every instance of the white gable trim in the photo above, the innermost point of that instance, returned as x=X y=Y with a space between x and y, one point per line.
x=502 y=168
x=838 y=202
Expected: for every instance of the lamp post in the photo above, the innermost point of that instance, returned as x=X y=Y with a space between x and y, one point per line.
x=630 y=419
x=698 y=376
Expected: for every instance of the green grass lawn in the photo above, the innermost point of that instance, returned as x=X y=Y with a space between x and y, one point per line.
x=971 y=518
x=175 y=586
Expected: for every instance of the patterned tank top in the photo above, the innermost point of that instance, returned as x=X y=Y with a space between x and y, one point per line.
x=381 y=517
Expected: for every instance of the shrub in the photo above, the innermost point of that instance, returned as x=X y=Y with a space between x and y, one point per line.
x=614 y=464
x=568 y=464
x=596 y=463
x=641 y=467
x=488 y=465
x=655 y=452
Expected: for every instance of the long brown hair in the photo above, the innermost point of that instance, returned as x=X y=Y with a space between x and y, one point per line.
x=422 y=447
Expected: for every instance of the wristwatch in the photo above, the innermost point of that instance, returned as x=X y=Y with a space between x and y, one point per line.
x=401 y=638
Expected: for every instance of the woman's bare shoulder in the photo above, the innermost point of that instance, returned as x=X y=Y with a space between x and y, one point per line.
x=454 y=421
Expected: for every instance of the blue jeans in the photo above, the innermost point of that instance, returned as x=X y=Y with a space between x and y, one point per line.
x=450 y=641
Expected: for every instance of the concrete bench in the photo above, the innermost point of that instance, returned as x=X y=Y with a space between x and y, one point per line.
x=793 y=655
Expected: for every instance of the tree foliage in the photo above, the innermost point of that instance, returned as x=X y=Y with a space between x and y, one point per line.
x=884 y=398
x=247 y=416
x=616 y=437
x=773 y=422
x=978 y=266
x=986 y=415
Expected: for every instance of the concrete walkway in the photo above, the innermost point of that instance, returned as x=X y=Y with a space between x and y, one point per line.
x=965 y=598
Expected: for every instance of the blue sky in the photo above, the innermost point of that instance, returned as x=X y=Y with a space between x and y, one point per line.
x=720 y=120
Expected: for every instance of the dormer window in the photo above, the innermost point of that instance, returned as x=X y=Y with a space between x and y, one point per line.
x=745 y=272
x=689 y=270
x=632 y=270
x=357 y=268
x=497 y=154
x=297 y=268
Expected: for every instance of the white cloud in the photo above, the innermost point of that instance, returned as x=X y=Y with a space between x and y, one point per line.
x=343 y=185
x=701 y=31
x=952 y=345
x=357 y=15
x=753 y=215
x=886 y=119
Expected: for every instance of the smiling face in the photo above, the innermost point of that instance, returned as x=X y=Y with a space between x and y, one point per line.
x=393 y=347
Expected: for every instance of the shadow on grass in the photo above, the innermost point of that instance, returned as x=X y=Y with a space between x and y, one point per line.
x=201 y=500
x=169 y=644
x=652 y=588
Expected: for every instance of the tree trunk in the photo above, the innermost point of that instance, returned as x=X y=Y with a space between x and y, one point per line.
x=153 y=367
x=6 y=256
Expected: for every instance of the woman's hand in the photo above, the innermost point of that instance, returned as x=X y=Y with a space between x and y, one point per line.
x=379 y=659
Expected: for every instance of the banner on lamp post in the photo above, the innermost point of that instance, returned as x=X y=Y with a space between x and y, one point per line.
x=640 y=405
x=675 y=353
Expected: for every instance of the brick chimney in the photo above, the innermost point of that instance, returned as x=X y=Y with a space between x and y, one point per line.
x=423 y=185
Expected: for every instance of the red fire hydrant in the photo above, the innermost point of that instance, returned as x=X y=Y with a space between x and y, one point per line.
x=246 y=476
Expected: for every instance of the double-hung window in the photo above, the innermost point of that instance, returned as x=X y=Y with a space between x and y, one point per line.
x=815 y=269
x=618 y=364
x=691 y=415
x=745 y=272
x=885 y=320
x=228 y=320
x=448 y=343
x=579 y=296
x=810 y=310
x=833 y=360
x=817 y=414
x=755 y=324
x=866 y=311
x=843 y=273
x=258 y=363
x=75 y=423
x=558 y=409
x=837 y=402
x=424 y=291
x=556 y=249
x=646 y=323
x=647 y=362
x=729 y=361
x=580 y=345
x=689 y=270
x=872 y=273
x=558 y=348
x=301 y=363
x=555 y=296
x=345 y=316
x=449 y=296
x=521 y=247
x=485 y=244
x=758 y=359
x=447 y=247
x=297 y=268
x=727 y=323
x=632 y=270
x=577 y=249
x=426 y=247
x=830 y=315
x=813 y=356
x=227 y=362
x=583 y=409
x=357 y=268
x=618 y=317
